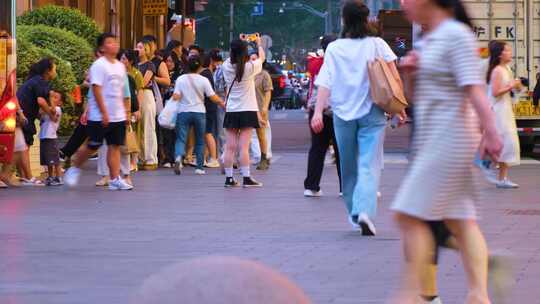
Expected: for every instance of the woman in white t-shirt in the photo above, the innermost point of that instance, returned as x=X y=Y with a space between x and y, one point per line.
x=359 y=124
x=242 y=111
x=190 y=90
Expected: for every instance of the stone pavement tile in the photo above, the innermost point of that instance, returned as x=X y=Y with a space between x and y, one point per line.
x=89 y=245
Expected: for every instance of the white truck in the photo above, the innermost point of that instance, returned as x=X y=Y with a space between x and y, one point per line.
x=518 y=23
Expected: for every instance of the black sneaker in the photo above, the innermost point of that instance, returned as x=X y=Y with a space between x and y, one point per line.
x=249 y=182
x=51 y=181
x=367 y=226
x=230 y=182
x=178 y=167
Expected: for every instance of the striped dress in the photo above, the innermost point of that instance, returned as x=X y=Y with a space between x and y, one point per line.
x=441 y=182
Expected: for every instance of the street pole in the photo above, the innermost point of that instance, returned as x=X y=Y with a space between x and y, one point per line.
x=231 y=21
x=330 y=26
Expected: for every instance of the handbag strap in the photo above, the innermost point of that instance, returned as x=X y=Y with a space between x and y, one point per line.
x=229 y=90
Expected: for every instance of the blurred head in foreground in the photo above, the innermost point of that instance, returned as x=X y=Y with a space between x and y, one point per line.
x=219 y=280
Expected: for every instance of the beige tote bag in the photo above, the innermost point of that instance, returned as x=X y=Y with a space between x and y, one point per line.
x=386 y=88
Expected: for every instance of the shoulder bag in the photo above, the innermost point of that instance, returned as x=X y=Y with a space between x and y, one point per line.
x=386 y=88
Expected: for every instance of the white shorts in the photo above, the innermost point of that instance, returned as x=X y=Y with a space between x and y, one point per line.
x=20 y=143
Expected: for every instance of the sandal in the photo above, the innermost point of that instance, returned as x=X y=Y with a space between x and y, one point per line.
x=31 y=182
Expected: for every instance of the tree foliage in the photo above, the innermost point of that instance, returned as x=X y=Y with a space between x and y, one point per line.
x=291 y=29
x=61 y=43
x=62 y=17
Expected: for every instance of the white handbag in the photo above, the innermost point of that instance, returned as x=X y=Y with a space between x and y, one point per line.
x=167 y=117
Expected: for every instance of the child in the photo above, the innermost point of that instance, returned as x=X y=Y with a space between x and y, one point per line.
x=49 y=152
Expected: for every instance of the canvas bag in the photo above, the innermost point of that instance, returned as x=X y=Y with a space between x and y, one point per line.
x=386 y=90
x=131 y=144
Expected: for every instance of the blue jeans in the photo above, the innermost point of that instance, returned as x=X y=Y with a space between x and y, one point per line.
x=184 y=121
x=360 y=143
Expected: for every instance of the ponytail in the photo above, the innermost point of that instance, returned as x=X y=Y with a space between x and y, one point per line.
x=458 y=10
x=40 y=67
x=239 y=57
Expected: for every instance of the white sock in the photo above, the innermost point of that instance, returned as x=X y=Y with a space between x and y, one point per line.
x=229 y=172
x=245 y=171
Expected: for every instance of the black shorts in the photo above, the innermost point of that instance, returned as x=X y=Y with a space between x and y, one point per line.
x=29 y=131
x=211 y=122
x=241 y=120
x=114 y=134
x=49 y=152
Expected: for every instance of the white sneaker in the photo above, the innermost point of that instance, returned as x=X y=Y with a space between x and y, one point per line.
x=368 y=228
x=506 y=184
x=31 y=182
x=200 y=172
x=3 y=185
x=212 y=163
x=311 y=193
x=103 y=182
x=437 y=300
x=119 y=184
x=489 y=175
x=167 y=165
x=71 y=177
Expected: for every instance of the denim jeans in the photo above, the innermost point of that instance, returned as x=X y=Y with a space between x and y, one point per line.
x=360 y=144
x=184 y=121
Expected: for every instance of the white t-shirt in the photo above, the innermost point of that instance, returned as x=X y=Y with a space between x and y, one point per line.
x=111 y=78
x=49 y=128
x=344 y=73
x=193 y=88
x=242 y=96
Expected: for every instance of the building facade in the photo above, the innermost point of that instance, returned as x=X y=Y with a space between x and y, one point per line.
x=121 y=17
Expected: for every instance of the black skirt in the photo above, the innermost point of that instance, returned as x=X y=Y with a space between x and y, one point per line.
x=241 y=120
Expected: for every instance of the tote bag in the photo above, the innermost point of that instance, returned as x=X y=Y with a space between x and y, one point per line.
x=386 y=88
x=131 y=145
x=167 y=117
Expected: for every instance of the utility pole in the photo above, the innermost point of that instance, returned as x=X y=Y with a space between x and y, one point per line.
x=329 y=20
x=231 y=21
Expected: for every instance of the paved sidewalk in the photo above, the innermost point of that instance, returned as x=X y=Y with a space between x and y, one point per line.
x=92 y=246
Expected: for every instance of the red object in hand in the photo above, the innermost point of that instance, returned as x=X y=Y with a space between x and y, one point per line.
x=76 y=94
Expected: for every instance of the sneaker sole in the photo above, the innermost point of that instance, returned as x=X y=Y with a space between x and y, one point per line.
x=252 y=186
x=366 y=231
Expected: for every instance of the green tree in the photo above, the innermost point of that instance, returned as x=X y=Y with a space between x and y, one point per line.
x=65 y=18
x=64 y=44
x=290 y=29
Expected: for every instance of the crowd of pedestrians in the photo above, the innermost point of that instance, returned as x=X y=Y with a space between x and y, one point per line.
x=212 y=107
x=217 y=105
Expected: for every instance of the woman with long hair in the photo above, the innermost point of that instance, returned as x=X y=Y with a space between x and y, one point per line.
x=190 y=90
x=241 y=109
x=161 y=83
x=33 y=96
x=359 y=124
x=169 y=136
x=147 y=128
x=501 y=85
x=448 y=89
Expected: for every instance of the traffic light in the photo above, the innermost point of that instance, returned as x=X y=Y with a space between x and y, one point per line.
x=189 y=5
